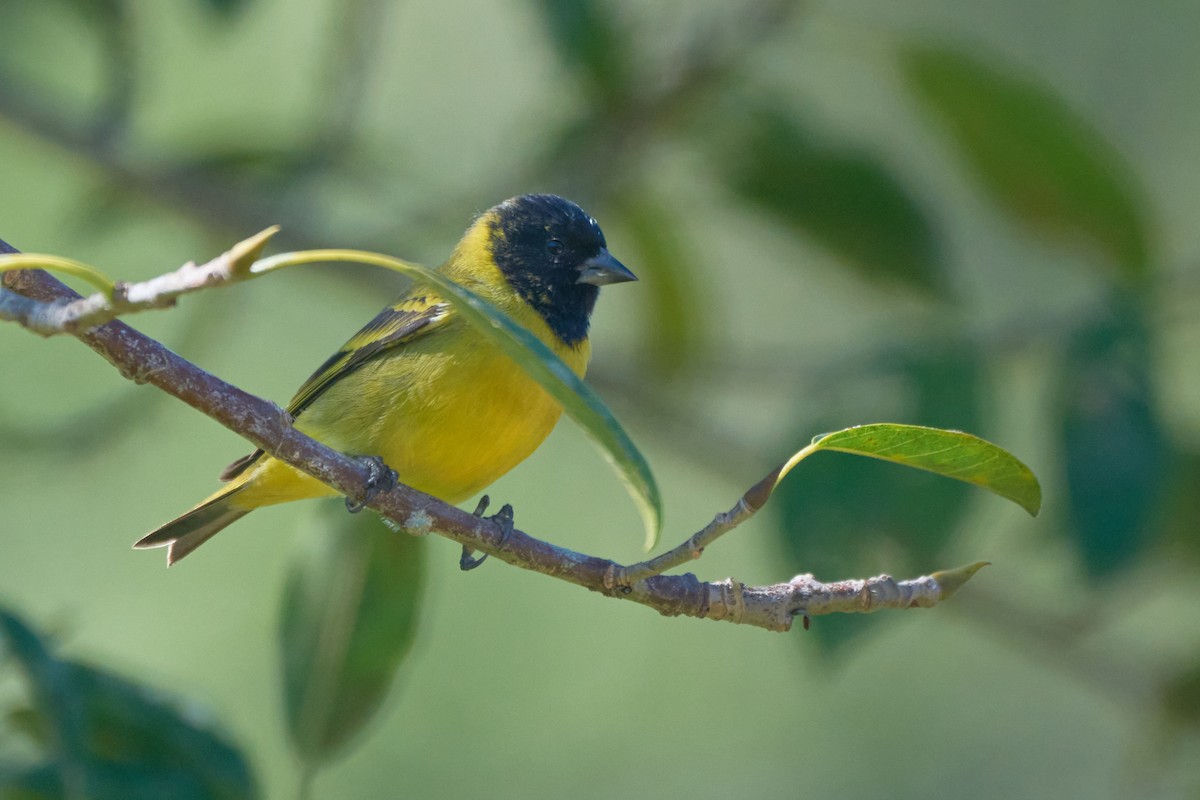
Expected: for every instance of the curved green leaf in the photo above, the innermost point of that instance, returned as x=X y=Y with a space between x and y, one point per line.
x=952 y=454
x=349 y=616
x=578 y=399
x=1040 y=160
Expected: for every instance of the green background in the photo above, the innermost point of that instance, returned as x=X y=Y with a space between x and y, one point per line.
x=785 y=291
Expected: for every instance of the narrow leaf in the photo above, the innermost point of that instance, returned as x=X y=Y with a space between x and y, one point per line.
x=578 y=399
x=1038 y=159
x=952 y=454
x=349 y=616
x=107 y=737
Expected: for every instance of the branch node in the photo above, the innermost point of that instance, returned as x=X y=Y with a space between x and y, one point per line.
x=609 y=581
x=119 y=297
x=733 y=599
x=616 y=579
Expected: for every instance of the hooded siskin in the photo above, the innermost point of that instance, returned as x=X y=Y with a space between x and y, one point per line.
x=422 y=389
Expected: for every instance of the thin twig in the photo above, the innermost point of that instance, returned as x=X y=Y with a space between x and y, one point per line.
x=691 y=549
x=66 y=315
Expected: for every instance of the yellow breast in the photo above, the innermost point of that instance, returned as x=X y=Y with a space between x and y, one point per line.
x=449 y=412
x=464 y=414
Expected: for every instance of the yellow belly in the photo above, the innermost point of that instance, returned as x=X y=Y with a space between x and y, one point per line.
x=450 y=414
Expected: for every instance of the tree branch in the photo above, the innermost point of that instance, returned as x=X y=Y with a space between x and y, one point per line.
x=143 y=360
x=76 y=314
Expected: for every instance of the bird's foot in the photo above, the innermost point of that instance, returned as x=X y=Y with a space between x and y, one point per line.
x=380 y=478
x=503 y=520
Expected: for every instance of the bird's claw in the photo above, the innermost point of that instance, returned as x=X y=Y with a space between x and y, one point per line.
x=380 y=478
x=503 y=519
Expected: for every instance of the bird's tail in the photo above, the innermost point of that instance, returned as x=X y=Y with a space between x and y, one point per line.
x=193 y=528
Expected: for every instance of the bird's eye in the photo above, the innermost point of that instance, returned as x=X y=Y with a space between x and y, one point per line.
x=555 y=248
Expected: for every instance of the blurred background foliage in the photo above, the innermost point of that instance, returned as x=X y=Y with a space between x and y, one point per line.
x=965 y=216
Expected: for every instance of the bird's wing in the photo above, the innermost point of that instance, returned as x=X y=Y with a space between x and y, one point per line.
x=410 y=318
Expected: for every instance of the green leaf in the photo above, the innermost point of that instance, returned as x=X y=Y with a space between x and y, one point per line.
x=1116 y=453
x=843 y=198
x=951 y=454
x=111 y=738
x=146 y=738
x=578 y=399
x=1037 y=158
x=349 y=616
x=946 y=390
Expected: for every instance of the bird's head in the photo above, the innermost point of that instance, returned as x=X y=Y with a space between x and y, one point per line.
x=554 y=256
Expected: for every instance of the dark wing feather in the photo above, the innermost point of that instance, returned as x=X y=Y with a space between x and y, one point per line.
x=410 y=318
x=396 y=325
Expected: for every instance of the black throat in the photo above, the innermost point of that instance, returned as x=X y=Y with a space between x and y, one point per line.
x=550 y=284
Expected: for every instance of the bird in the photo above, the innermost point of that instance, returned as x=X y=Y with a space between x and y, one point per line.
x=423 y=391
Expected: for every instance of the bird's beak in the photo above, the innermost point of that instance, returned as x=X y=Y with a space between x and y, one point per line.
x=602 y=269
